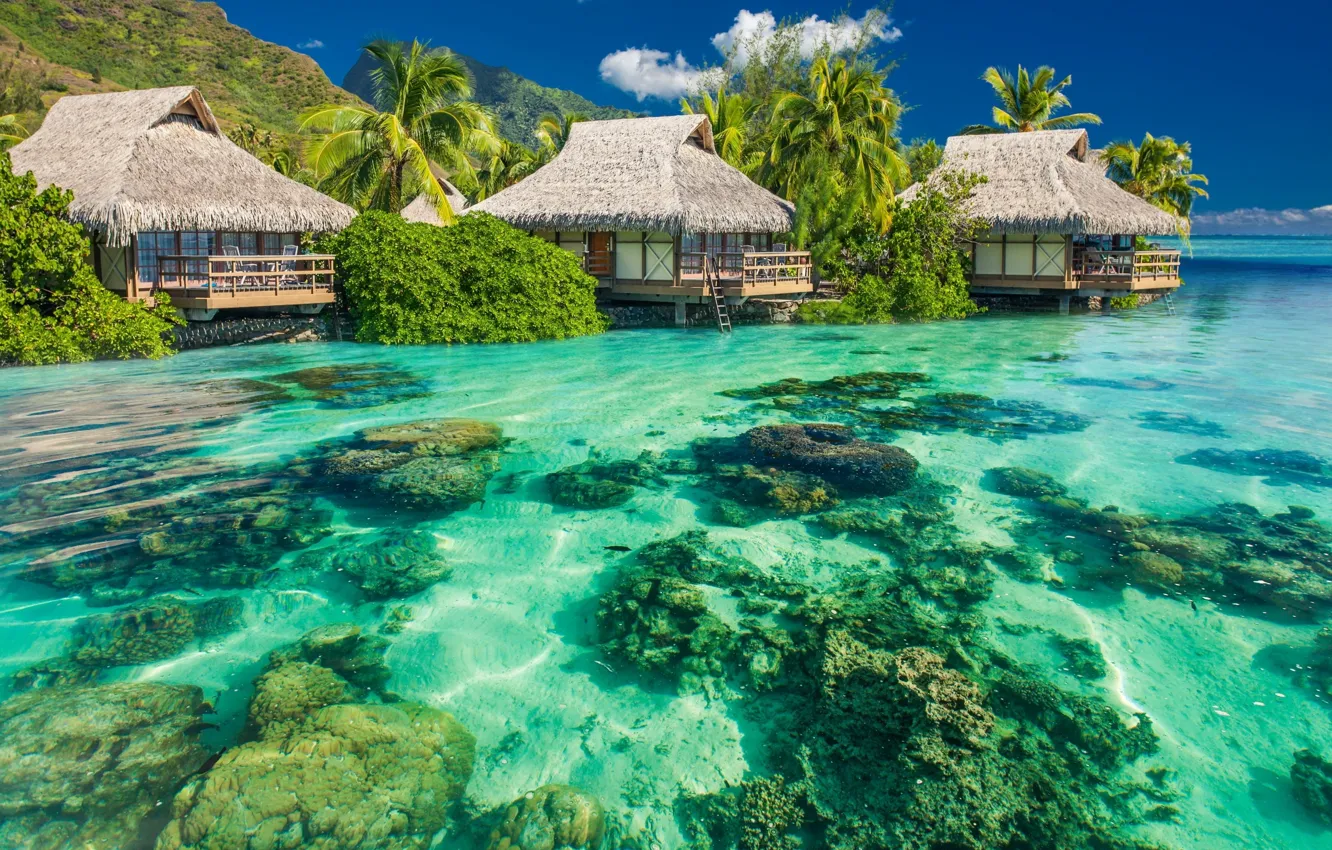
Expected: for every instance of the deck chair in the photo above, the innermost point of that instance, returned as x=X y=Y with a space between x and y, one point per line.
x=288 y=267
x=244 y=280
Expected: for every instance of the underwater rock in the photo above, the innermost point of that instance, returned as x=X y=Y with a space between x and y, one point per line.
x=1025 y=483
x=1083 y=657
x=834 y=454
x=365 y=462
x=338 y=386
x=1138 y=384
x=597 y=483
x=760 y=814
x=437 y=483
x=285 y=696
x=51 y=673
x=435 y=437
x=843 y=390
x=1311 y=777
x=342 y=648
x=979 y=415
x=151 y=631
x=347 y=777
x=1278 y=467
x=553 y=817
x=1154 y=570
x=82 y=766
x=786 y=493
x=1178 y=423
x=395 y=564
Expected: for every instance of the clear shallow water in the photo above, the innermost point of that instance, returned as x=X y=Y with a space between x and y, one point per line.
x=508 y=642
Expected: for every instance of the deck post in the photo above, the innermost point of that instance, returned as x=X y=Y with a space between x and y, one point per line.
x=681 y=315
x=1063 y=304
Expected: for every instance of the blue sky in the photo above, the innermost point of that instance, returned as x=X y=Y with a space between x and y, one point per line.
x=1224 y=77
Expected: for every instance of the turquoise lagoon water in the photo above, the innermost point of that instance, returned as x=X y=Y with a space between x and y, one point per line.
x=508 y=643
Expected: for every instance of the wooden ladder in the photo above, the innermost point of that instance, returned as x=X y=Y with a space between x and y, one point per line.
x=712 y=277
x=1169 y=303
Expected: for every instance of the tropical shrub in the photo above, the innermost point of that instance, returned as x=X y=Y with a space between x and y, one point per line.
x=52 y=306
x=829 y=313
x=478 y=280
x=918 y=270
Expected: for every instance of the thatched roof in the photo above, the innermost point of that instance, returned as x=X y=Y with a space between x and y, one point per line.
x=1047 y=182
x=422 y=209
x=653 y=174
x=156 y=159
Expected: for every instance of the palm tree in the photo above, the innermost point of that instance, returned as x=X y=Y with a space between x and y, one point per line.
x=730 y=116
x=11 y=131
x=844 y=119
x=508 y=163
x=1029 y=103
x=374 y=158
x=253 y=140
x=1160 y=171
x=552 y=133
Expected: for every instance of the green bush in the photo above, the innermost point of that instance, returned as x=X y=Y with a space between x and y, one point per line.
x=52 y=307
x=478 y=280
x=829 y=313
x=917 y=270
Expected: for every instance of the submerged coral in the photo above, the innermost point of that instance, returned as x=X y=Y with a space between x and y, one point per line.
x=151 y=631
x=832 y=453
x=342 y=648
x=1277 y=467
x=339 y=386
x=1179 y=423
x=553 y=817
x=82 y=766
x=389 y=566
x=1311 y=778
x=599 y=483
x=437 y=465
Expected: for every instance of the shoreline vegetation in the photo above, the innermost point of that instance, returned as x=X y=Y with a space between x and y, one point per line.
x=771 y=117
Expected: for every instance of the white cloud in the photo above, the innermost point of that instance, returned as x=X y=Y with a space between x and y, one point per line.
x=645 y=72
x=649 y=73
x=1256 y=221
x=754 y=30
x=312 y=44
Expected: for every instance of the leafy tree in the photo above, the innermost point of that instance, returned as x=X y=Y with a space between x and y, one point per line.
x=508 y=163
x=552 y=133
x=730 y=117
x=1029 y=103
x=1160 y=171
x=11 y=131
x=377 y=158
x=923 y=156
x=52 y=307
x=844 y=118
x=917 y=271
x=255 y=141
x=479 y=280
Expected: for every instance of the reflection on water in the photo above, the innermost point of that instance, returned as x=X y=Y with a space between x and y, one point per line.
x=1038 y=581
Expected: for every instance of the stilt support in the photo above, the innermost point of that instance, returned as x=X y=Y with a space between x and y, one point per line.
x=1063 y=304
x=680 y=315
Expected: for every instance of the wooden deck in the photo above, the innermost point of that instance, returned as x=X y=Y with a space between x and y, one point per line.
x=265 y=280
x=1095 y=272
x=753 y=274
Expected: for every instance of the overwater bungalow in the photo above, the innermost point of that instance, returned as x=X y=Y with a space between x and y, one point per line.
x=173 y=205
x=656 y=215
x=1058 y=225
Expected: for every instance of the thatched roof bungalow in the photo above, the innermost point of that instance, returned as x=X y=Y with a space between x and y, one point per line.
x=647 y=201
x=154 y=176
x=422 y=208
x=1056 y=221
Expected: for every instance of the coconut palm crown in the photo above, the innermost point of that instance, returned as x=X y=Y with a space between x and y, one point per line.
x=1159 y=170
x=378 y=157
x=1029 y=102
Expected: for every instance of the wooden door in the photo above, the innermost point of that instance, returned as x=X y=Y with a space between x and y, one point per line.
x=598 y=258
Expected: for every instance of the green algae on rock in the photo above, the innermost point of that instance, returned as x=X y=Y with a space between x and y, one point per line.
x=151 y=631
x=598 y=483
x=435 y=466
x=337 y=386
x=553 y=817
x=388 y=566
x=832 y=453
x=344 y=649
x=1311 y=778
x=1277 y=467
x=82 y=766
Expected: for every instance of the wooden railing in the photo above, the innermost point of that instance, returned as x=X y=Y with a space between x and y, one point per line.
x=599 y=263
x=1125 y=265
x=751 y=267
x=246 y=275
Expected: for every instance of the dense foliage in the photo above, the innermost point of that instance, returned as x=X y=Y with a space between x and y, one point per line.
x=478 y=280
x=917 y=271
x=517 y=103
x=141 y=44
x=52 y=307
